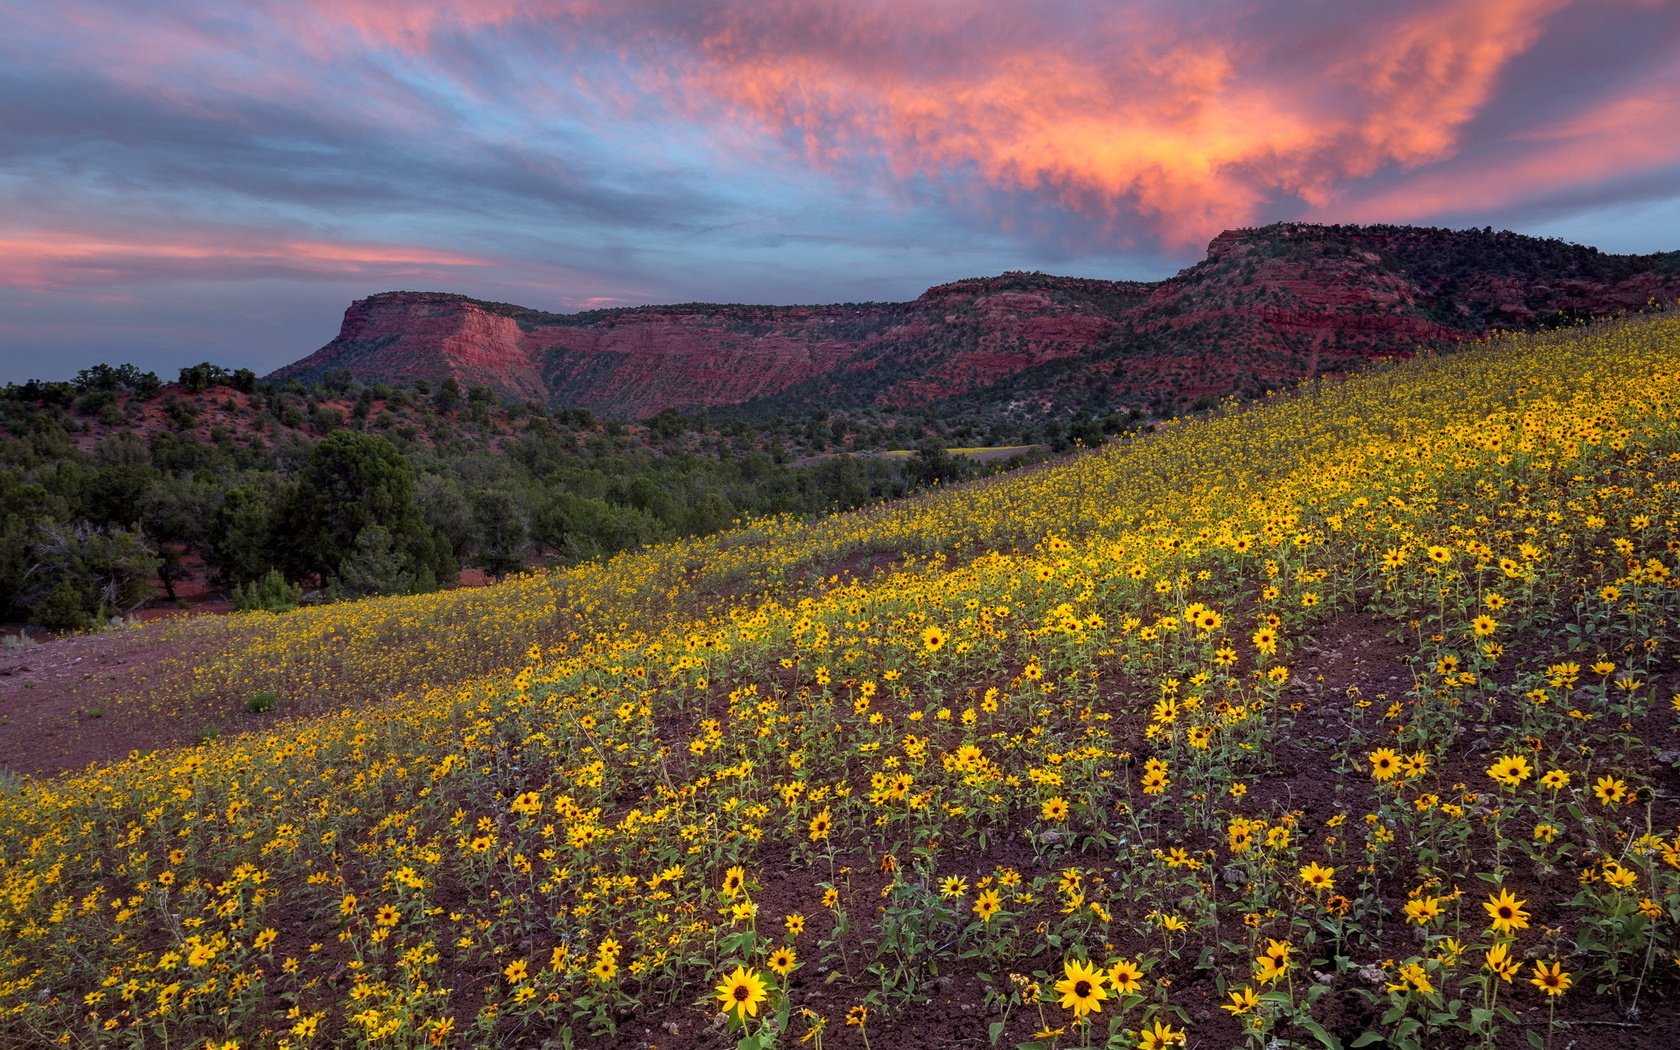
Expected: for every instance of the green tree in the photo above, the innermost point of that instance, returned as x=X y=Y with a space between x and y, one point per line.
x=240 y=544
x=448 y=397
x=503 y=531
x=79 y=574
x=353 y=482
x=202 y=376
x=373 y=565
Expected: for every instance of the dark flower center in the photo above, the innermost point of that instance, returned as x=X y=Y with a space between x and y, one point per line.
x=741 y=993
x=1082 y=989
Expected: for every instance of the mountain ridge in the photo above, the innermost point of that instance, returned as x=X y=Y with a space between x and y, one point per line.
x=1266 y=307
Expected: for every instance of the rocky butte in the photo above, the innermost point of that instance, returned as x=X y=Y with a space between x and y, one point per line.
x=1266 y=308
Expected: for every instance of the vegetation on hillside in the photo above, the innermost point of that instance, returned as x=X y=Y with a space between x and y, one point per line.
x=116 y=479
x=1076 y=749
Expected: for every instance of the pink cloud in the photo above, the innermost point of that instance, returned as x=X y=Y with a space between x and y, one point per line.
x=56 y=259
x=1622 y=137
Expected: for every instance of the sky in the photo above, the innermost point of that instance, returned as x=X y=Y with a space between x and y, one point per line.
x=186 y=180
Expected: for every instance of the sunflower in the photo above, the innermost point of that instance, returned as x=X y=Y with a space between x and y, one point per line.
x=1413 y=978
x=782 y=961
x=1423 y=910
x=987 y=904
x=954 y=886
x=1506 y=912
x=1242 y=1001
x=1555 y=780
x=1159 y=1036
x=1553 y=982
x=516 y=971
x=1610 y=790
x=1082 y=989
x=1500 y=963
x=1484 y=625
x=387 y=916
x=795 y=924
x=821 y=824
x=1273 y=963
x=1439 y=555
x=1054 y=808
x=1125 y=977
x=1384 y=763
x=1511 y=770
x=1414 y=765
x=734 y=881
x=1318 y=876
x=933 y=639
x=740 y=993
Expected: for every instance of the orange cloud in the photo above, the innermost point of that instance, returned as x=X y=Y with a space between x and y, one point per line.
x=1430 y=70
x=1193 y=124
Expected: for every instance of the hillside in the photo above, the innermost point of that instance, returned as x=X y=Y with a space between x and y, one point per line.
x=1343 y=720
x=1266 y=308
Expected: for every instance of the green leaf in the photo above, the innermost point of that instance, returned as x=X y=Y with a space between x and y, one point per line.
x=995 y=1031
x=1366 y=1039
x=1317 y=1031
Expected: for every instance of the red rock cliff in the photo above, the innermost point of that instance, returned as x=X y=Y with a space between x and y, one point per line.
x=1265 y=307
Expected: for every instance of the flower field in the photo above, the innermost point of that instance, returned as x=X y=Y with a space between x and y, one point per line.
x=1347 y=719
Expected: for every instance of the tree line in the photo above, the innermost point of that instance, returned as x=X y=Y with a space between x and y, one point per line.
x=114 y=488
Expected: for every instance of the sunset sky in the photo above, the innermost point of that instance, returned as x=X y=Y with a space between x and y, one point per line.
x=187 y=181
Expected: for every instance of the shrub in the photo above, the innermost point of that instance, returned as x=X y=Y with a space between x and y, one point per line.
x=270 y=594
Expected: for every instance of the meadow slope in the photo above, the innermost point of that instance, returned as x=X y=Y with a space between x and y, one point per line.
x=1348 y=718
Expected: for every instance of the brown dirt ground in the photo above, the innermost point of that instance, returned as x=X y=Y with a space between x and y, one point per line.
x=70 y=701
